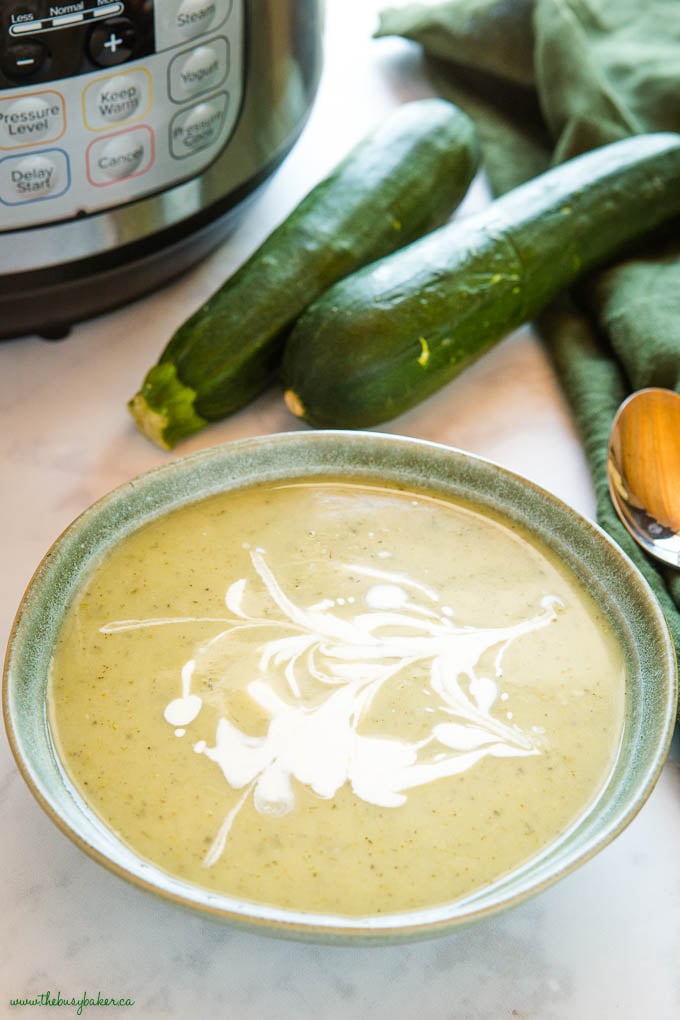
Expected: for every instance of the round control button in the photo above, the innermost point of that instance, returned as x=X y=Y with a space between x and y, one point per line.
x=121 y=156
x=113 y=42
x=199 y=127
x=23 y=59
x=34 y=177
x=119 y=98
x=194 y=17
x=202 y=126
x=198 y=70
x=31 y=118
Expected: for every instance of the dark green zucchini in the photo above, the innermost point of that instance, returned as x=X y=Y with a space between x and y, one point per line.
x=386 y=337
x=401 y=181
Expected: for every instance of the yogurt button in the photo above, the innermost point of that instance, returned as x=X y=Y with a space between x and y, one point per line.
x=119 y=98
x=34 y=177
x=199 y=70
x=194 y=17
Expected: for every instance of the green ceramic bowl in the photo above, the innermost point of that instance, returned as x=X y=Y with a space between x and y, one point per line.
x=606 y=572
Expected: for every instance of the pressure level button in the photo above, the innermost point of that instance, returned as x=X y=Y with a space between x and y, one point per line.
x=31 y=118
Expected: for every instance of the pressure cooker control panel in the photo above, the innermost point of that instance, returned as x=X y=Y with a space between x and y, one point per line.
x=103 y=102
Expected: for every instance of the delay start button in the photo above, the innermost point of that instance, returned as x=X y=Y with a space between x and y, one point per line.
x=30 y=178
x=34 y=176
x=199 y=127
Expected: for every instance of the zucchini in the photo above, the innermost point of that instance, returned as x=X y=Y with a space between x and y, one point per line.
x=398 y=183
x=391 y=334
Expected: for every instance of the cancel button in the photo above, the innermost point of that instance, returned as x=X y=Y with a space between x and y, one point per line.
x=120 y=156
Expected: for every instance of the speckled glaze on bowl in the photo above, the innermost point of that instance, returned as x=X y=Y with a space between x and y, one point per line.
x=615 y=583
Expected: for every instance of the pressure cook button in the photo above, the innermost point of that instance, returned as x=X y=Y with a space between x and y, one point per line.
x=199 y=127
x=29 y=178
x=113 y=42
x=199 y=70
x=31 y=118
x=195 y=17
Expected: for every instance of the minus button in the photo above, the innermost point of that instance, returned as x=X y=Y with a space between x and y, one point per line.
x=23 y=59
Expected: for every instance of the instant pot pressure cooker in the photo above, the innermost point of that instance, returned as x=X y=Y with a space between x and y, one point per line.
x=130 y=132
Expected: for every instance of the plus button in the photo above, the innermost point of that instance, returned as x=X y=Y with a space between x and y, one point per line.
x=112 y=42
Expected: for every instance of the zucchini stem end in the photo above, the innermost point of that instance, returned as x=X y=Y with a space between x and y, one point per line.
x=163 y=409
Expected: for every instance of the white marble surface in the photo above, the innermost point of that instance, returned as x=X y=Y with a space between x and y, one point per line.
x=602 y=943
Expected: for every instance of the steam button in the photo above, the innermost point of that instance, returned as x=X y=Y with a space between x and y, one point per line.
x=194 y=17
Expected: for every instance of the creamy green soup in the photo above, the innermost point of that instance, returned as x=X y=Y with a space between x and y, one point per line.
x=334 y=696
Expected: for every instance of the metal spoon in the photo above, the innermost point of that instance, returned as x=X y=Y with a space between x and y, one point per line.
x=643 y=471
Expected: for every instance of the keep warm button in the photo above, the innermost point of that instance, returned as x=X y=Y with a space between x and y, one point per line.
x=119 y=98
x=198 y=127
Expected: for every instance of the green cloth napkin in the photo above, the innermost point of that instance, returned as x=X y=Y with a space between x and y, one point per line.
x=546 y=80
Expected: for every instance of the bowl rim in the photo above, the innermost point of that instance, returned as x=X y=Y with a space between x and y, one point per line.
x=133 y=504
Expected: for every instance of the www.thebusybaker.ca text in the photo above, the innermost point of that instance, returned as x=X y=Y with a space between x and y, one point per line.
x=50 y=999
